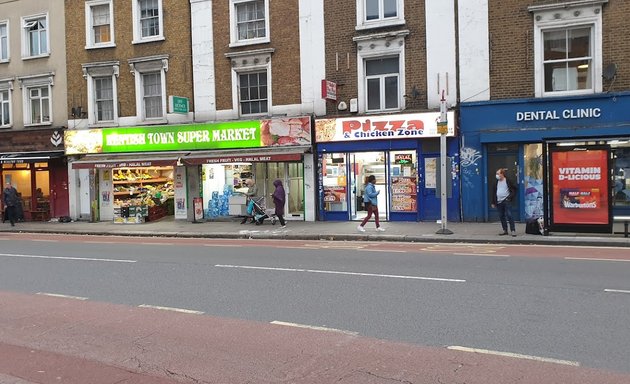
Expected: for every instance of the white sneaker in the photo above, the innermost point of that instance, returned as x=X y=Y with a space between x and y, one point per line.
x=380 y=229
x=360 y=229
x=283 y=226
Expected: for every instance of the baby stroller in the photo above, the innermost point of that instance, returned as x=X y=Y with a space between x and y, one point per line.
x=257 y=211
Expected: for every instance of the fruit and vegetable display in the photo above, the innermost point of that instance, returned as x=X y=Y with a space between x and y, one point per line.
x=143 y=187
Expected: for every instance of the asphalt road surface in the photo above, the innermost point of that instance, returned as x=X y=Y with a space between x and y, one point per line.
x=305 y=311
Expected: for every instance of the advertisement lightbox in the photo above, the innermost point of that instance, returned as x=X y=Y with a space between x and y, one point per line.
x=580 y=189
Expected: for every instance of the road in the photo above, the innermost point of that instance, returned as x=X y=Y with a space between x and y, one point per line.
x=550 y=311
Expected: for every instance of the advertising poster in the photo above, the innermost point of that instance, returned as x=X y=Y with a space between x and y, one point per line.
x=334 y=194
x=579 y=180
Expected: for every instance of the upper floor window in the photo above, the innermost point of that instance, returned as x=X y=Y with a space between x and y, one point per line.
x=148 y=22
x=4 y=41
x=99 y=23
x=253 y=89
x=379 y=13
x=150 y=75
x=568 y=46
x=382 y=83
x=38 y=106
x=35 y=36
x=249 y=22
x=102 y=91
x=5 y=108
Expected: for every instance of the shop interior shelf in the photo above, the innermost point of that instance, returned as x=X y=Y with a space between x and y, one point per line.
x=141 y=181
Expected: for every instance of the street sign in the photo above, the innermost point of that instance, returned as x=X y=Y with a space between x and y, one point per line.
x=178 y=104
x=442 y=127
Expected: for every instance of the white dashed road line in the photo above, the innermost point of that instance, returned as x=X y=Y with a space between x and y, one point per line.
x=340 y=273
x=514 y=355
x=616 y=291
x=181 y=310
x=62 y=296
x=66 y=258
x=315 y=328
x=480 y=254
x=593 y=259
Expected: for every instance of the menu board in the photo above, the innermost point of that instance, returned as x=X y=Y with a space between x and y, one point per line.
x=404 y=190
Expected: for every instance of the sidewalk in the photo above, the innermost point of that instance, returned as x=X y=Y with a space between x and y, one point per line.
x=324 y=230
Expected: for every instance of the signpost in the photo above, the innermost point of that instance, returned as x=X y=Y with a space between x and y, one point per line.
x=442 y=128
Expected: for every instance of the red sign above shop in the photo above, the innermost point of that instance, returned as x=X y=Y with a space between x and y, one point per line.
x=329 y=90
x=580 y=194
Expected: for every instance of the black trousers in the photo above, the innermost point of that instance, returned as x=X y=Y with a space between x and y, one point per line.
x=10 y=214
x=281 y=219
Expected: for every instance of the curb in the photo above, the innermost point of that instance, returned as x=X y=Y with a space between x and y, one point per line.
x=549 y=241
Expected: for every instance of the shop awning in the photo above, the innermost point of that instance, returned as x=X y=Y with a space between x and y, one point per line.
x=29 y=157
x=293 y=153
x=123 y=161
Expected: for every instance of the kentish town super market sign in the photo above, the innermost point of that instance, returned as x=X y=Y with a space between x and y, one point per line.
x=389 y=127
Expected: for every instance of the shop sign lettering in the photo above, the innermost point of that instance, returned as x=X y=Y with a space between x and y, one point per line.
x=566 y=114
x=227 y=135
x=381 y=127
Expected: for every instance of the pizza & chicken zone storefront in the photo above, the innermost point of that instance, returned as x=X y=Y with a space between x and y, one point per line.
x=402 y=151
x=129 y=166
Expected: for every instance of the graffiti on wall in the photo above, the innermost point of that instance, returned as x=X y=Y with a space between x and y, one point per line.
x=469 y=156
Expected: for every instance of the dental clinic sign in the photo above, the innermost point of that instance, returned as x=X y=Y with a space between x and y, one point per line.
x=564 y=114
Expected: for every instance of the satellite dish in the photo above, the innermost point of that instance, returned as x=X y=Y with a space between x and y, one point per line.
x=610 y=72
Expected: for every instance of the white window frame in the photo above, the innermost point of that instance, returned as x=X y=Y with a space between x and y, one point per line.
x=26 y=51
x=6 y=86
x=5 y=42
x=94 y=71
x=234 y=40
x=137 y=26
x=380 y=46
x=149 y=65
x=247 y=62
x=89 y=26
x=563 y=16
x=381 y=79
x=363 y=23
x=264 y=70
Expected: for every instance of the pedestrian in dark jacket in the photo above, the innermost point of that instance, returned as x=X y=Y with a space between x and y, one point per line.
x=279 y=199
x=11 y=202
x=503 y=194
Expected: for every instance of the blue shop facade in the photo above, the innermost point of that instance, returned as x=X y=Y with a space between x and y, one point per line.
x=517 y=134
x=401 y=150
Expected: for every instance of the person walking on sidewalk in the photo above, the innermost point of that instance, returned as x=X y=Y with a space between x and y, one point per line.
x=10 y=199
x=251 y=194
x=370 y=198
x=279 y=198
x=504 y=192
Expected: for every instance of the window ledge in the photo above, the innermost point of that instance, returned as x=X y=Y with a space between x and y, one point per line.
x=97 y=46
x=104 y=124
x=381 y=111
x=380 y=24
x=149 y=40
x=6 y=126
x=568 y=93
x=37 y=125
x=155 y=121
x=5 y=61
x=242 y=43
x=36 y=57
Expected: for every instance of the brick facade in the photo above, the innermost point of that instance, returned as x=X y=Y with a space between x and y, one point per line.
x=285 y=60
x=341 y=51
x=512 y=46
x=177 y=45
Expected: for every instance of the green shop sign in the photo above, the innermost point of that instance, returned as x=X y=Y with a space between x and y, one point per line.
x=235 y=134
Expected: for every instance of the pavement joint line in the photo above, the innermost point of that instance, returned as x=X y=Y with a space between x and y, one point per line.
x=314 y=327
x=514 y=355
x=61 y=296
x=45 y=240
x=66 y=258
x=340 y=273
x=224 y=245
x=172 y=309
x=593 y=259
x=147 y=243
x=481 y=254
x=383 y=250
x=616 y=291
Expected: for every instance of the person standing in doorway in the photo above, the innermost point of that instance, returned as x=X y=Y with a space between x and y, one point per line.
x=252 y=193
x=502 y=197
x=370 y=198
x=279 y=199
x=10 y=199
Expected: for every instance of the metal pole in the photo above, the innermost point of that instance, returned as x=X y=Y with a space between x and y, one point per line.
x=443 y=125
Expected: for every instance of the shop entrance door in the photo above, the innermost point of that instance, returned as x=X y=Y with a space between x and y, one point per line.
x=292 y=176
x=431 y=203
x=504 y=156
x=363 y=165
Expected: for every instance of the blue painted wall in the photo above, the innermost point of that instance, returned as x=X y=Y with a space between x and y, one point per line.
x=530 y=121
